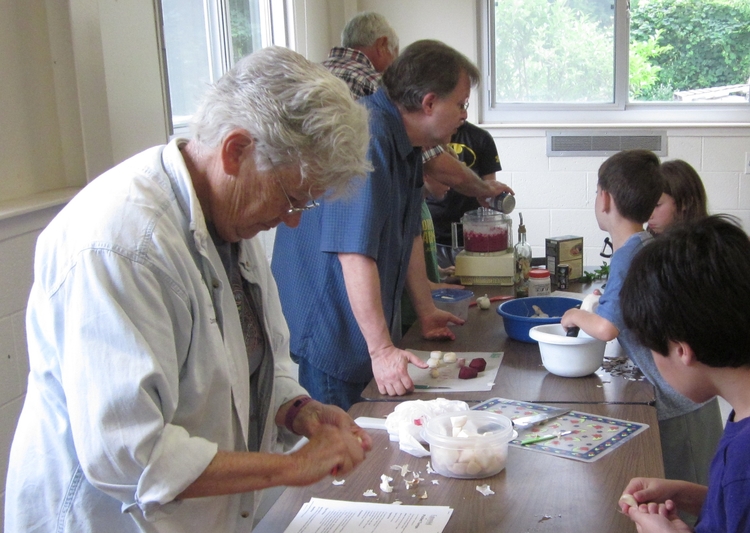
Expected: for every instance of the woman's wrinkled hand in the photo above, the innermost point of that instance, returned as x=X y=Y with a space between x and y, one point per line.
x=331 y=450
x=316 y=414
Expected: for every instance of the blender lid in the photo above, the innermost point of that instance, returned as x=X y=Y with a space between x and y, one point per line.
x=484 y=214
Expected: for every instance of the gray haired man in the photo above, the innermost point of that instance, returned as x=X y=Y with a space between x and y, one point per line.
x=368 y=46
x=342 y=273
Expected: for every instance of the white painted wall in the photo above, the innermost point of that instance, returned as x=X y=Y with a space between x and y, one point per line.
x=556 y=194
x=31 y=157
x=17 y=238
x=132 y=76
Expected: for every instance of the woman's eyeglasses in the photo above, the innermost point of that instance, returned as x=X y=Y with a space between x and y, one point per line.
x=293 y=210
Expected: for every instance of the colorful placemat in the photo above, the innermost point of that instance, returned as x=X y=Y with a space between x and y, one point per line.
x=591 y=436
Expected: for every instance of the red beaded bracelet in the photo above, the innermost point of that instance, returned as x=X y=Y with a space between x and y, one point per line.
x=294 y=410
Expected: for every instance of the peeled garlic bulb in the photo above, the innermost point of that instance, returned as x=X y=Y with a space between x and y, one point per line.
x=483 y=302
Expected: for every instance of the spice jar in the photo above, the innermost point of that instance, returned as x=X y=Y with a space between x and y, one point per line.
x=504 y=202
x=539 y=282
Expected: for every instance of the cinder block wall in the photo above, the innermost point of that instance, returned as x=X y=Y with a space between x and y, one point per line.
x=18 y=236
x=556 y=194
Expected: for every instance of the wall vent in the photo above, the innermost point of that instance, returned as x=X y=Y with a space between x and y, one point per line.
x=570 y=143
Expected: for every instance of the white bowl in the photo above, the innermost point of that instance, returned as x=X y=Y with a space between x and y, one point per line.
x=474 y=455
x=569 y=357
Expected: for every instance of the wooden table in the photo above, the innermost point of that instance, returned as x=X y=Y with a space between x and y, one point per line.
x=576 y=496
x=521 y=375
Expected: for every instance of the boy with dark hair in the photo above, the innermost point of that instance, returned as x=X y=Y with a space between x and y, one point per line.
x=630 y=184
x=684 y=300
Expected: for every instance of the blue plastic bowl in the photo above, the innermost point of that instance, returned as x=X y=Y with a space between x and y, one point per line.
x=517 y=314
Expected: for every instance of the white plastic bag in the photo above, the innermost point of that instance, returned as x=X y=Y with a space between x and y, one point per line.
x=406 y=421
x=590 y=302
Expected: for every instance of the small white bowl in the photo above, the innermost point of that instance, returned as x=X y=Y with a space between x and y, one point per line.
x=569 y=357
x=474 y=455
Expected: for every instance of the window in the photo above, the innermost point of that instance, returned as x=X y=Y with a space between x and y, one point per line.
x=202 y=40
x=616 y=61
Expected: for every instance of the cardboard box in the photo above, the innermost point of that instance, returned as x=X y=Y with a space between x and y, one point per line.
x=567 y=249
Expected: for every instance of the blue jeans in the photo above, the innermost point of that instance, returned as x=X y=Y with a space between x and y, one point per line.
x=328 y=389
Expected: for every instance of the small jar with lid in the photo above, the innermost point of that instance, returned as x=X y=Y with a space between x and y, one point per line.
x=539 y=282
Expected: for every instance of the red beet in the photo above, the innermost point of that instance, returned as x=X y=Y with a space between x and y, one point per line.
x=466 y=372
x=479 y=364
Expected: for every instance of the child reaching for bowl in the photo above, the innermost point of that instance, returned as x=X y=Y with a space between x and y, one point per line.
x=629 y=185
x=684 y=300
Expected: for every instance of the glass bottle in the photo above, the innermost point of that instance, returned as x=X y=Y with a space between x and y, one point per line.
x=522 y=259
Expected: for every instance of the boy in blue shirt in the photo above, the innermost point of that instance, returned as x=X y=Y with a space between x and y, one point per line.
x=629 y=186
x=687 y=298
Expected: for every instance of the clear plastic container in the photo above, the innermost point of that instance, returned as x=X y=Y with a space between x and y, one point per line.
x=454 y=301
x=486 y=231
x=473 y=456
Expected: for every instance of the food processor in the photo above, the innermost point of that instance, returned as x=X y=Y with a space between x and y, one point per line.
x=487 y=255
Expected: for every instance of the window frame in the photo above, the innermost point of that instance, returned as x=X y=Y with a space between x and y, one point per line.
x=620 y=112
x=219 y=46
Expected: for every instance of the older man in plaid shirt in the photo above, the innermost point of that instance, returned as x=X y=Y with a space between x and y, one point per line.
x=368 y=46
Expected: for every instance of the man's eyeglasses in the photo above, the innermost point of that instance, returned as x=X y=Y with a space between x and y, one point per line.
x=464 y=105
x=607 y=244
x=311 y=203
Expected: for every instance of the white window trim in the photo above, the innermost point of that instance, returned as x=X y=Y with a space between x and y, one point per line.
x=274 y=32
x=620 y=113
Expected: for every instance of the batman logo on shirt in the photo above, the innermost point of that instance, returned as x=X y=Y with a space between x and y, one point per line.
x=465 y=154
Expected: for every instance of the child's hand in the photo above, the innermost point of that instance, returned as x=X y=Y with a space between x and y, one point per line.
x=647 y=489
x=673 y=493
x=569 y=318
x=590 y=323
x=657 y=517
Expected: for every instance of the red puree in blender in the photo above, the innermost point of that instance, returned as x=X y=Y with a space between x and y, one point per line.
x=494 y=241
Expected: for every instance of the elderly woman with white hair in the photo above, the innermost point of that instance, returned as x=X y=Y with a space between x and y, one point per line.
x=160 y=395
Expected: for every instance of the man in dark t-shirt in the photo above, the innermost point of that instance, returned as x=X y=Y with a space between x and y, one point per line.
x=476 y=148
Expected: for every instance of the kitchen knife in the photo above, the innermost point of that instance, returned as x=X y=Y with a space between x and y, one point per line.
x=528 y=421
